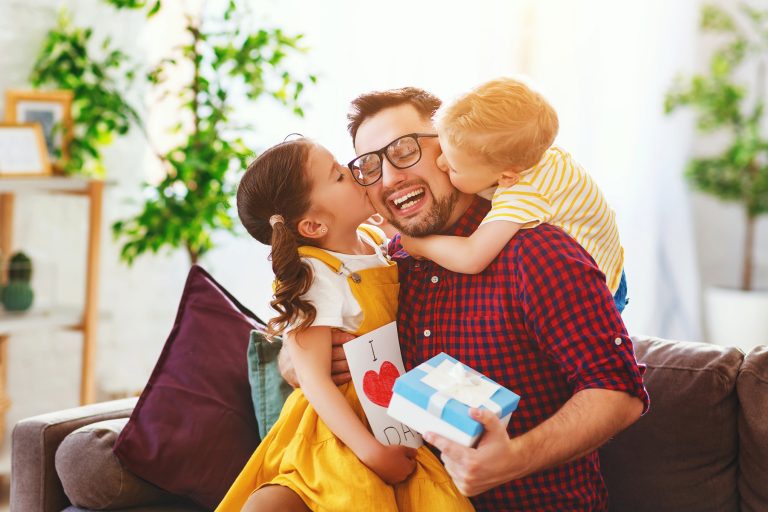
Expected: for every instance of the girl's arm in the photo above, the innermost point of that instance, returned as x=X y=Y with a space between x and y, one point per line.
x=467 y=255
x=311 y=356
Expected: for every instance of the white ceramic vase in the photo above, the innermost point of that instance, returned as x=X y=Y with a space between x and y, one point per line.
x=736 y=318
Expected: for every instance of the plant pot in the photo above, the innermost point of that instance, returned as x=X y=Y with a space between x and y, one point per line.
x=736 y=318
x=17 y=296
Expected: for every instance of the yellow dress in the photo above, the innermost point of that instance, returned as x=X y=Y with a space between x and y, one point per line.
x=301 y=453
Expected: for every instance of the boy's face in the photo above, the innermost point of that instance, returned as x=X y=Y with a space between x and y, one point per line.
x=468 y=172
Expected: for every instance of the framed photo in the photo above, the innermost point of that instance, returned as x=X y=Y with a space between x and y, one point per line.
x=52 y=110
x=22 y=151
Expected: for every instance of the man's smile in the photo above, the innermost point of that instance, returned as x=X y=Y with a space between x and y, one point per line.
x=405 y=200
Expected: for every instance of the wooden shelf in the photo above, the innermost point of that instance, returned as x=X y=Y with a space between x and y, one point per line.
x=84 y=319
x=44 y=184
x=14 y=323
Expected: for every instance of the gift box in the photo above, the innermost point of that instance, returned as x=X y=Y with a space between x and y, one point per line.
x=436 y=397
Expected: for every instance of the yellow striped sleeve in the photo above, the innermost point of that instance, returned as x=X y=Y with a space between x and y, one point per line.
x=522 y=203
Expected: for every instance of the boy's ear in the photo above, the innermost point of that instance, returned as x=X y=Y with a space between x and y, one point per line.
x=312 y=228
x=509 y=178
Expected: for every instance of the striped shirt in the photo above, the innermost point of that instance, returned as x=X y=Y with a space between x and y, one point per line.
x=560 y=192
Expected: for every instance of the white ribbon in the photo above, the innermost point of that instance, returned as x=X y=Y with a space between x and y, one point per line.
x=456 y=381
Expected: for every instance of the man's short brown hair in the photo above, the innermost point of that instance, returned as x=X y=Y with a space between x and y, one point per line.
x=370 y=104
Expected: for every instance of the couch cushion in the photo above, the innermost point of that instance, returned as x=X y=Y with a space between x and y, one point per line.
x=682 y=454
x=194 y=426
x=268 y=388
x=93 y=477
x=753 y=431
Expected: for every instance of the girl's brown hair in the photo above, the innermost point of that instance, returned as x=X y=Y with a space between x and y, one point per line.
x=276 y=183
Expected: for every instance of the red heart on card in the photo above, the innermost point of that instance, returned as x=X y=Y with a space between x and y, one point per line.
x=378 y=386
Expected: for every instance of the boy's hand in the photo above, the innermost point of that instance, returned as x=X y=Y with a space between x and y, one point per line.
x=412 y=245
x=392 y=463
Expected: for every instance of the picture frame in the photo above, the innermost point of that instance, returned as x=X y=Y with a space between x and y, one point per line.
x=23 y=152
x=52 y=110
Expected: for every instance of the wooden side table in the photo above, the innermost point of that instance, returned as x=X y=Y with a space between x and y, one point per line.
x=84 y=320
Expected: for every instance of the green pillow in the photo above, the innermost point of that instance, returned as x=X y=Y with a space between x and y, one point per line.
x=268 y=388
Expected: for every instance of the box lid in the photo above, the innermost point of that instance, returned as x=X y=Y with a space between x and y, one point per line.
x=411 y=387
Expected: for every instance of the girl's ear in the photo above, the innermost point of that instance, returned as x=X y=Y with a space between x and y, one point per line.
x=311 y=228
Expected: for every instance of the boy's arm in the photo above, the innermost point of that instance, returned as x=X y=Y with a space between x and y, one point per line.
x=311 y=356
x=467 y=255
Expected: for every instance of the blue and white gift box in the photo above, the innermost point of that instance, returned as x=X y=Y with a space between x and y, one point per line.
x=436 y=397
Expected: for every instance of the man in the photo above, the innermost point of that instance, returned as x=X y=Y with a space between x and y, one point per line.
x=539 y=321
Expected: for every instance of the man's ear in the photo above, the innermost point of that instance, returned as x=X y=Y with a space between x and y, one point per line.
x=312 y=228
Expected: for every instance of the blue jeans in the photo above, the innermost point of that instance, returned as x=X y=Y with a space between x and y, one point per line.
x=620 y=297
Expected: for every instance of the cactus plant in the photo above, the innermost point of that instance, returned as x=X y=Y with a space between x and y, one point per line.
x=20 y=268
x=17 y=295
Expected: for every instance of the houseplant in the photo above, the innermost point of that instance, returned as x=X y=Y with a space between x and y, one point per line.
x=230 y=63
x=729 y=100
x=98 y=76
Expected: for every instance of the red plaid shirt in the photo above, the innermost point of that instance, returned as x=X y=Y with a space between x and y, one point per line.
x=540 y=321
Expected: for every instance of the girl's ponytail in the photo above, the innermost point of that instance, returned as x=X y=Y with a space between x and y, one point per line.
x=292 y=280
x=272 y=197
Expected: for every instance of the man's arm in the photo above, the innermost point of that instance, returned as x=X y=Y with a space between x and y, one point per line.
x=586 y=421
x=339 y=367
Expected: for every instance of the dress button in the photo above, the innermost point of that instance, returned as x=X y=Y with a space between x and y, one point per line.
x=617 y=341
x=427 y=333
x=434 y=279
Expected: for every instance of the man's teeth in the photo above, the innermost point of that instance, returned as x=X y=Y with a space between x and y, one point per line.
x=400 y=200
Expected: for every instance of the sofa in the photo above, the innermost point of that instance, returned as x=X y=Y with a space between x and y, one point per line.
x=703 y=445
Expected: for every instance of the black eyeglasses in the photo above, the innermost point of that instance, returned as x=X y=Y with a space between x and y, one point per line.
x=402 y=153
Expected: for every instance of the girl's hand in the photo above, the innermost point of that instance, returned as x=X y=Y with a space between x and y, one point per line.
x=393 y=463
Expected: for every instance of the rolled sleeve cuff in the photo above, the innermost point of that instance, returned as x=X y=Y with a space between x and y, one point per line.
x=619 y=371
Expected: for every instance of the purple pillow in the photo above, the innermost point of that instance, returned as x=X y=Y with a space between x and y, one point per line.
x=194 y=428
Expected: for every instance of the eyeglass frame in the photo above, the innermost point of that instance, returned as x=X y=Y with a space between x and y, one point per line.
x=383 y=151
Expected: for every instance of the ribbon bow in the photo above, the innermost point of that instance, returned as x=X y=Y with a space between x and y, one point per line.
x=456 y=381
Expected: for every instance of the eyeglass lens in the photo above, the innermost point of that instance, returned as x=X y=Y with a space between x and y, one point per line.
x=402 y=153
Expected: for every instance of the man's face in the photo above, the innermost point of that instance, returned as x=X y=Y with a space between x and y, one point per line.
x=419 y=200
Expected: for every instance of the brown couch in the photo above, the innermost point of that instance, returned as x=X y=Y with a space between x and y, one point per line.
x=702 y=447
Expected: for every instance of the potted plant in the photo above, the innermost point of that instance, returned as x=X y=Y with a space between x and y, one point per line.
x=232 y=66
x=729 y=99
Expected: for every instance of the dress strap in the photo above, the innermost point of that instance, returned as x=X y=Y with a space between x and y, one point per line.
x=371 y=232
x=334 y=263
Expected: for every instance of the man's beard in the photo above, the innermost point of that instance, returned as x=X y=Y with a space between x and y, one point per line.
x=434 y=221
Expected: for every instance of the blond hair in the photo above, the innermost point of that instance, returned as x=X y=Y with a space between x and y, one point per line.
x=503 y=121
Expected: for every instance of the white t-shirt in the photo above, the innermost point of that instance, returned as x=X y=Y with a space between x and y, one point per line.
x=330 y=293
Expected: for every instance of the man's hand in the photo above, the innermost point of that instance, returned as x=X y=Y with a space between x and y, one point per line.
x=475 y=470
x=339 y=367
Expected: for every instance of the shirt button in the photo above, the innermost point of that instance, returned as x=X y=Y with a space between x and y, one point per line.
x=434 y=279
x=427 y=333
x=617 y=341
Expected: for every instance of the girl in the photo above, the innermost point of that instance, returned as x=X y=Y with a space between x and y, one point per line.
x=330 y=272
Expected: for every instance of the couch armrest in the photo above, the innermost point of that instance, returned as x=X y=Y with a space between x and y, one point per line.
x=35 y=486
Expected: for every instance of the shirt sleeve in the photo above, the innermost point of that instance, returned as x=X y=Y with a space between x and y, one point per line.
x=325 y=294
x=572 y=316
x=522 y=203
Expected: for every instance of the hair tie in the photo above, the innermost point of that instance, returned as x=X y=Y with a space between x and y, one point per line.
x=275 y=219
